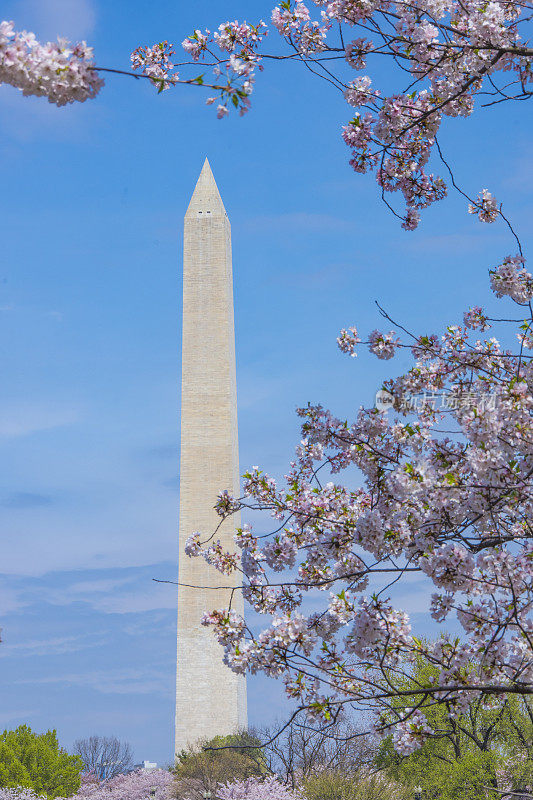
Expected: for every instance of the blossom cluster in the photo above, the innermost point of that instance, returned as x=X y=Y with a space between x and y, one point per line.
x=484 y=206
x=348 y=340
x=155 y=62
x=233 y=46
x=475 y=318
x=295 y=23
x=411 y=732
x=512 y=279
x=257 y=789
x=451 y=51
x=60 y=71
x=383 y=345
x=452 y=506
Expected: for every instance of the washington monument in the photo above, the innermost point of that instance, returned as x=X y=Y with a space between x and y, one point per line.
x=210 y=699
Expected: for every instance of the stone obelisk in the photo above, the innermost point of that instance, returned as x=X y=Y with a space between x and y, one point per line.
x=210 y=698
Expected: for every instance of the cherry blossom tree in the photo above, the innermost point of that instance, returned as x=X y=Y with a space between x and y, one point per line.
x=446 y=494
x=137 y=785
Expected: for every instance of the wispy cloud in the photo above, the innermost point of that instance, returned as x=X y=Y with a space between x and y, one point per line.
x=298 y=221
x=74 y=19
x=25 y=419
x=11 y=600
x=103 y=585
x=132 y=594
x=9 y=716
x=26 y=500
x=54 y=646
x=123 y=681
x=163 y=451
x=452 y=243
x=28 y=119
x=149 y=596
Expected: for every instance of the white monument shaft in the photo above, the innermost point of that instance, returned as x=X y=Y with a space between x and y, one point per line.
x=210 y=699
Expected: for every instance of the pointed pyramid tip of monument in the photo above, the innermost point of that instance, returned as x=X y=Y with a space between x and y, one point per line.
x=206 y=198
x=206 y=170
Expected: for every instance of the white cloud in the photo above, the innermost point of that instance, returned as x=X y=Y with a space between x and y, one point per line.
x=110 y=596
x=119 y=681
x=452 y=243
x=25 y=418
x=104 y=585
x=8 y=716
x=297 y=221
x=151 y=597
x=53 y=646
x=25 y=119
x=133 y=594
x=106 y=525
x=11 y=600
x=74 y=19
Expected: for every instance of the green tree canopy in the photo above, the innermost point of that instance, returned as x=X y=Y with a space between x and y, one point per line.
x=36 y=761
x=360 y=785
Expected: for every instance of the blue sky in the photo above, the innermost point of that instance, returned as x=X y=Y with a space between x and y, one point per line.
x=90 y=309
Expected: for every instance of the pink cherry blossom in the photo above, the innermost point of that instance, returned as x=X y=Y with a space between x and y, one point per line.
x=383 y=345
x=411 y=733
x=348 y=340
x=62 y=72
x=484 y=206
x=196 y=44
x=475 y=318
x=511 y=278
x=137 y=785
x=155 y=62
x=257 y=789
